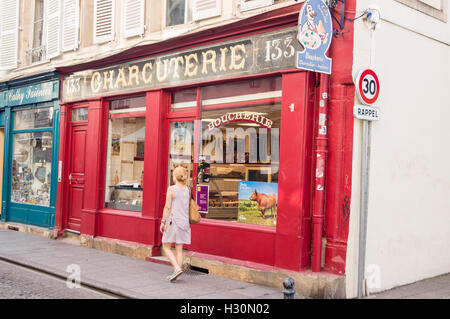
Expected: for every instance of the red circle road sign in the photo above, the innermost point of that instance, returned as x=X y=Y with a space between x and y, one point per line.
x=367 y=86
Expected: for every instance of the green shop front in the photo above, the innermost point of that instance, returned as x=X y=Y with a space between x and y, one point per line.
x=30 y=152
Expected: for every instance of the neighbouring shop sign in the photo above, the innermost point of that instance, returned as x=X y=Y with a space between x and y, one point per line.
x=315 y=31
x=272 y=51
x=32 y=93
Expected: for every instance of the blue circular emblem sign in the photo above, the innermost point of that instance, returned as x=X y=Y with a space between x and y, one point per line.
x=315 y=31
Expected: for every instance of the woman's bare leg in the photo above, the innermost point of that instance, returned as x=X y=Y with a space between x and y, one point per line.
x=168 y=250
x=179 y=252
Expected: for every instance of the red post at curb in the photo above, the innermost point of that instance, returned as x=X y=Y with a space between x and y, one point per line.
x=321 y=150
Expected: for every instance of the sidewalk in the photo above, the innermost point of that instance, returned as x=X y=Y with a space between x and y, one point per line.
x=125 y=276
x=433 y=288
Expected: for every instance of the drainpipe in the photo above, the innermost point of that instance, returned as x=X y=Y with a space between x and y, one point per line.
x=321 y=150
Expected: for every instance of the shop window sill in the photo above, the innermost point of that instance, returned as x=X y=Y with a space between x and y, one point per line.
x=237 y=226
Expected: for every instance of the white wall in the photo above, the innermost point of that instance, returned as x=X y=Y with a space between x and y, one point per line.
x=408 y=232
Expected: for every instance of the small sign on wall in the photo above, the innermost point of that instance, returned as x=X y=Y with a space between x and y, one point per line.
x=202 y=197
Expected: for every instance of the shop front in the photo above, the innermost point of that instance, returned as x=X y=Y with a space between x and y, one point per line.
x=31 y=131
x=234 y=110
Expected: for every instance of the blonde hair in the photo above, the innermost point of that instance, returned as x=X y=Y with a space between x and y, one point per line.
x=180 y=174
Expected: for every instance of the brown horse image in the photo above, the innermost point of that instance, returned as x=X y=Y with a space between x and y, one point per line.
x=264 y=202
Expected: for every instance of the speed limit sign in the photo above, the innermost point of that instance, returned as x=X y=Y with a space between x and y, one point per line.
x=367 y=86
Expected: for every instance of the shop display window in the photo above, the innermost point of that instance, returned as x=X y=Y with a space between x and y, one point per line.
x=234 y=151
x=32 y=157
x=243 y=157
x=125 y=154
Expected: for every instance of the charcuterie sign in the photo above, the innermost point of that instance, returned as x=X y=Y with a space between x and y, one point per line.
x=315 y=31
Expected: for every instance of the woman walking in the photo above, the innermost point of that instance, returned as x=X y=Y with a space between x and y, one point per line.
x=175 y=221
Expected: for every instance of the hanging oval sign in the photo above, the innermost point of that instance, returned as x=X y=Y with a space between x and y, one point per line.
x=367 y=86
x=315 y=31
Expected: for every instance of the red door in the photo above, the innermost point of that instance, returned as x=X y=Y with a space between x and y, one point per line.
x=76 y=176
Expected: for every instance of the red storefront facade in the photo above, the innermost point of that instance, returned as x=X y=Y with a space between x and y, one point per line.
x=289 y=97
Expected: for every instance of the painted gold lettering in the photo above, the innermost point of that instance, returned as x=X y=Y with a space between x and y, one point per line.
x=121 y=79
x=247 y=116
x=223 y=59
x=176 y=63
x=236 y=57
x=133 y=73
x=108 y=80
x=269 y=123
x=211 y=60
x=96 y=82
x=165 y=74
x=191 y=69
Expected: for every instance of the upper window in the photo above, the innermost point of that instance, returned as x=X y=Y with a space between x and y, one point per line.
x=37 y=52
x=177 y=12
x=253 y=4
x=434 y=8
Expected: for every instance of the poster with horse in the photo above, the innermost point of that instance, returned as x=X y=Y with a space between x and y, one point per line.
x=258 y=203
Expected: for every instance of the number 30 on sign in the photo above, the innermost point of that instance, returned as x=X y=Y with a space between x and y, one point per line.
x=367 y=86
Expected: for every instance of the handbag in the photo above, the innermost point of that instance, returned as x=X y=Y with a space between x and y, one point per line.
x=194 y=215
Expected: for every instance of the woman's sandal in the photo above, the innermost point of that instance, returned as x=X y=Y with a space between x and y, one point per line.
x=174 y=275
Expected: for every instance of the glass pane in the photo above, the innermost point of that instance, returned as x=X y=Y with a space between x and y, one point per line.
x=125 y=163
x=175 y=12
x=241 y=92
x=240 y=152
x=80 y=114
x=33 y=118
x=130 y=103
x=184 y=99
x=181 y=148
x=31 y=168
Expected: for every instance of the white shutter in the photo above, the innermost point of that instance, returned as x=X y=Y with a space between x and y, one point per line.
x=70 y=24
x=203 y=9
x=253 y=4
x=133 y=17
x=103 y=21
x=9 y=33
x=53 y=28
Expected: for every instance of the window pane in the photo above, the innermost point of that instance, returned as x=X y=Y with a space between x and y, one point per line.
x=184 y=99
x=125 y=163
x=33 y=118
x=80 y=114
x=31 y=168
x=131 y=103
x=241 y=92
x=181 y=148
x=175 y=12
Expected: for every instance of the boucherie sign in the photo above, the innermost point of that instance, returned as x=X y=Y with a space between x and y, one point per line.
x=261 y=53
x=251 y=117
